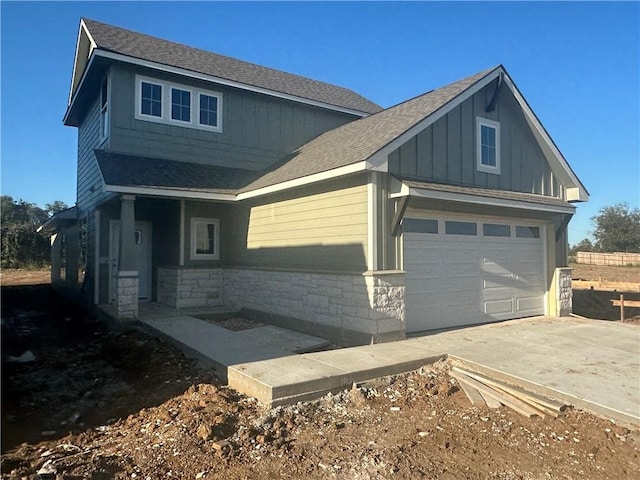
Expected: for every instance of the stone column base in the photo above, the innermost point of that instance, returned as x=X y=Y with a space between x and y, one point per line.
x=127 y=295
x=564 y=292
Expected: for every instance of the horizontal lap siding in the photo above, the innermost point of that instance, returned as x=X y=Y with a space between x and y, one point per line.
x=256 y=130
x=88 y=173
x=445 y=152
x=326 y=230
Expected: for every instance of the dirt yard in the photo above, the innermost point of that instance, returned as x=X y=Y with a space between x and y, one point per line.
x=595 y=286
x=96 y=404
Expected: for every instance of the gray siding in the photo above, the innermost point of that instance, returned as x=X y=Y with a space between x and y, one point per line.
x=257 y=130
x=446 y=151
x=89 y=188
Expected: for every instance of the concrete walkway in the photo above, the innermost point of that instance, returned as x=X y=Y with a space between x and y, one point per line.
x=594 y=365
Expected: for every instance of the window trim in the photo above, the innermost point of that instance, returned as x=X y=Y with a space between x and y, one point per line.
x=216 y=239
x=165 y=117
x=481 y=167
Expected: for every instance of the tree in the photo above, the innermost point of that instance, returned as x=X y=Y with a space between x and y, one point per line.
x=617 y=229
x=583 y=245
x=21 y=245
x=55 y=207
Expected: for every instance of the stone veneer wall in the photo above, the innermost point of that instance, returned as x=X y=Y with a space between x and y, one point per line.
x=564 y=292
x=127 y=295
x=348 y=308
x=190 y=287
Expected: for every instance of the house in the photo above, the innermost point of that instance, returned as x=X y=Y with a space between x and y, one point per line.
x=205 y=180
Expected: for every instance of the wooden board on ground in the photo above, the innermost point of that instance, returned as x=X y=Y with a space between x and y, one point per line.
x=473 y=395
x=606 y=286
x=502 y=397
x=546 y=405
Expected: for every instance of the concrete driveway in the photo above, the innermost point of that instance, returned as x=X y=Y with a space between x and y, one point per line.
x=592 y=364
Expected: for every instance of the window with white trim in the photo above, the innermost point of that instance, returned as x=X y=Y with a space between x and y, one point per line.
x=104 y=109
x=205 y=239
x=175 y=104
x=488 y=145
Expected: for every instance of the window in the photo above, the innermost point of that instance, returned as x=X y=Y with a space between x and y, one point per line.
x=205 y=239
x=180 y=105
x=452 y=227
x=167 y=102
x=419 y=225
x=151 y=99
x=104 y=110
x=488 y=145
x=208 y=110
x=527 y=232
x=496 y=230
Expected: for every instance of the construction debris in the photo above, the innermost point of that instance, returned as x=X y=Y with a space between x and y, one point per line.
x=483 y=390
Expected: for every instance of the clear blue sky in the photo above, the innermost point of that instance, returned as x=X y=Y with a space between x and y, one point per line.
x=576 y=63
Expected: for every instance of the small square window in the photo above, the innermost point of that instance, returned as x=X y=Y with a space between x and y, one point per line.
x=151 y=99
x=180 y=105
x=205 y=239
x=488 y=145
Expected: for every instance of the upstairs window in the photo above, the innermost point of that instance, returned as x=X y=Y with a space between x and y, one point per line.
x=180 y=105
x=488 y=145
x=104 y=109
x=208 y=110
x=151 y=99
x=167 y=102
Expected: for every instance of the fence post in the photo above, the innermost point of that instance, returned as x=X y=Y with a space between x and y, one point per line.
x=621 y=307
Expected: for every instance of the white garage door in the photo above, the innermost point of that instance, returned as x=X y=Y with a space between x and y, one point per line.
x=463 y=272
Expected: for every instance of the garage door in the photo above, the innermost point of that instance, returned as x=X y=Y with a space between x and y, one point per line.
x=464 y=272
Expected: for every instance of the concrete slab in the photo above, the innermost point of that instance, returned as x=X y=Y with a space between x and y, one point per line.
x=226 y=347
x=591 y=364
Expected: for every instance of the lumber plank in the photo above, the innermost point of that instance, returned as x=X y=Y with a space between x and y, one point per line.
x=627 y=303
x=473 y=395
x=502 y=397
x=547 y=403
x=486 y=399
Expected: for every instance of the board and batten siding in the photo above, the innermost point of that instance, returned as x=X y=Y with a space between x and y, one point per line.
x=446 y=151
x=256 y=130
x=89 y=188
x=323 y=231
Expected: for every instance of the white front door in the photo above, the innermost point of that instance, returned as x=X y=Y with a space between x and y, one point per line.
x=142 y=249
x=464 y=271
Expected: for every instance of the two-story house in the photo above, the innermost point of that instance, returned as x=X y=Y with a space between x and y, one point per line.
x=205 y=180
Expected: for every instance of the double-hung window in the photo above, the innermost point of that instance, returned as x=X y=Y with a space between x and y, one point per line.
x=174 y=104
x=488 y=145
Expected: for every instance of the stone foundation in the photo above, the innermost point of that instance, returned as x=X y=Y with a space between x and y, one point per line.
x=347 y=308
x=190 y=287
x=564 y=292
x=127 y=295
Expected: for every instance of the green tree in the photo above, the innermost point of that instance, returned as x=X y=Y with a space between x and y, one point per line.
x=20 y=244
x=617 y=229
x=583 y=245
x=55 y=207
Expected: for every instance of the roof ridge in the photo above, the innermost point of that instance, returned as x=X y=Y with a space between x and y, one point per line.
x=264 y=68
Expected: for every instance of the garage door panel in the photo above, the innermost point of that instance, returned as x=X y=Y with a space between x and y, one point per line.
x=455 y=280
x=496 y=307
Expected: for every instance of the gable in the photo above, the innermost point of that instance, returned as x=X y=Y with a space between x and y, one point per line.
x=445 y=151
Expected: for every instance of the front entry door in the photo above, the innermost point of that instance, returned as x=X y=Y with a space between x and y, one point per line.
x=142 y=251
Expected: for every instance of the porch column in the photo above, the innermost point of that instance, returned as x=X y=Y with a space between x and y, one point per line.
x=56 y=258
x=72 y=255
x=127 y=276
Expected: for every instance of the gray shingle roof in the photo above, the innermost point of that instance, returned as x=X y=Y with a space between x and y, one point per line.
x=146 y=47
x=358 y=140
x=135 y=171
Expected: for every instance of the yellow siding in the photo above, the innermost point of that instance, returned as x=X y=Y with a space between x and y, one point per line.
x=330 y=218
